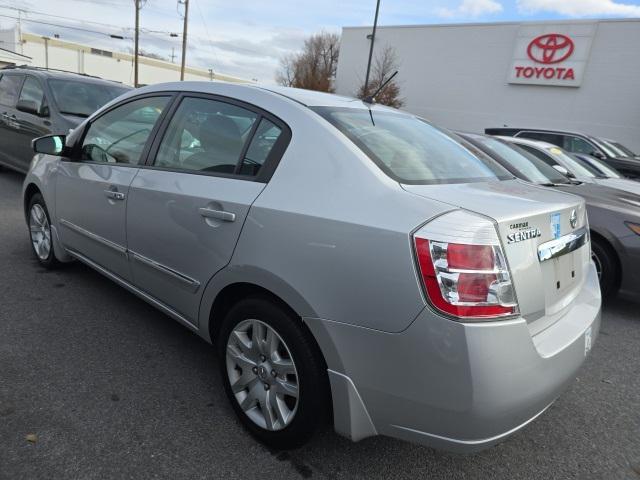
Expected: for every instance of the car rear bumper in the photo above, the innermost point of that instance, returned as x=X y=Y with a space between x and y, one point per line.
x=451 y=385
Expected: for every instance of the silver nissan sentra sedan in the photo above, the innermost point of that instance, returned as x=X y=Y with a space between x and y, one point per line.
x=347 y=261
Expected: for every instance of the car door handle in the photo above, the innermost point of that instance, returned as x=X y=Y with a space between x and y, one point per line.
x=114 y=195
x=218 y=214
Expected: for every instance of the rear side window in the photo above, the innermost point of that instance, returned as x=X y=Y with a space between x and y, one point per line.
x=411 y=150
x=9 y=89
x=260 y=147
x=553 y=138
x=206 y=135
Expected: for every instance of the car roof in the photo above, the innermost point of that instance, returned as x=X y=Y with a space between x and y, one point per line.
x=545 y=130
x=59 y=74
x=301 y=96
x=526 y=141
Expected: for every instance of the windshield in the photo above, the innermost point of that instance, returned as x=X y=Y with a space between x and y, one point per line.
x=410 y=150
x=82 y=98
x=571 y=164
x=620 y=150
x=531 y=168
x=598 y=165
x=630 y=153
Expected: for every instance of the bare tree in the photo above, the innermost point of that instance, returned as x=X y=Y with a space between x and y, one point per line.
x=314 y=68
x=385 y=63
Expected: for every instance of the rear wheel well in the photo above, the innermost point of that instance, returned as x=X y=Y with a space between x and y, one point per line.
x=232 y=294
x=606 y=244
x=28 y=195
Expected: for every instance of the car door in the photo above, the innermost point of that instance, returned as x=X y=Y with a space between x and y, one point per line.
x=187 y=209
x=32 y=120
x=92 y=187
x=10 y=84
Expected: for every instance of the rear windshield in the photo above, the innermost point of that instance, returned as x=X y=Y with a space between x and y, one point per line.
x=82 y=98
x=410 y=150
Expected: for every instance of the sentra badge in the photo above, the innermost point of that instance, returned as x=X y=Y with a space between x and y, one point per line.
x=525 y=232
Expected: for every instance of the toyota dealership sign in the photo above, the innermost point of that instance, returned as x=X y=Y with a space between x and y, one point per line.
x=556 y=56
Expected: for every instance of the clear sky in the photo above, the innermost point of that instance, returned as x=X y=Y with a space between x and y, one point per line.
x=248 y=37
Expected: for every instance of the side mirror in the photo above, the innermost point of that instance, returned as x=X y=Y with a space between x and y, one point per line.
x=563 y=170
x=598 y=155
x=28 y=106
x=49 y=145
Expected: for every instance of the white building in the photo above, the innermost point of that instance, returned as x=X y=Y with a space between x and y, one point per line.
x=48 y=52
x=571 y=75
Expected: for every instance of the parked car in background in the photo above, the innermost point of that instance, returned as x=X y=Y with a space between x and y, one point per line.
x=614 y=215
x=613 y=178
x=570 y=166
x=36 y=102
x=342 y=258
x=619 y=149
x=575 y=142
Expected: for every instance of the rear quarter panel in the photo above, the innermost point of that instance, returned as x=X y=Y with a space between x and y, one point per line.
x=331 y=227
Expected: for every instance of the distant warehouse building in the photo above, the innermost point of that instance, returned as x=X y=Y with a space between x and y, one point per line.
x=571 y=75
x=40 y=51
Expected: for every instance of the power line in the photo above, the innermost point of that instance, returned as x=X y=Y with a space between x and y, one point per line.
x=86 y=30
x=108 y=25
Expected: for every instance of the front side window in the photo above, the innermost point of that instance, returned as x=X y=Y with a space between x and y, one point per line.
x=119 y=136
x=32 y=92
x=578 y=145
x=411 y=150
x=81 y=99
x=9 y=88
x=209 y=136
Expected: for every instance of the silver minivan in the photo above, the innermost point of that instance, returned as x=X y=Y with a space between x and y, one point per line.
x=347 y=261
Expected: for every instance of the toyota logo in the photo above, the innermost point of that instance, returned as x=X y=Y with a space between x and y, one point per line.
x=550 y=48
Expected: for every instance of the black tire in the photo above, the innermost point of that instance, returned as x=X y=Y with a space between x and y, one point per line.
x=313 y=399
x=50 y=261
x=607 y=266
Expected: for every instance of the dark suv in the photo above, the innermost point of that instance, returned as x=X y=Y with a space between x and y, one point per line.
x=36 y=102
x=577 y=143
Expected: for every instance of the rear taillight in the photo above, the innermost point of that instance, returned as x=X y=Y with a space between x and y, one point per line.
x=463 y=267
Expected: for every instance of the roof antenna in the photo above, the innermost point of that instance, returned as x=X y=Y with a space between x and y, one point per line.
x=371 y=98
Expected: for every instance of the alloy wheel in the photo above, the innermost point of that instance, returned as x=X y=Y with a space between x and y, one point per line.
x=40 y=231
x=262 y=374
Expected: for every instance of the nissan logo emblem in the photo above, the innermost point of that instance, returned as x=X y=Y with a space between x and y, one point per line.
x=550 y=48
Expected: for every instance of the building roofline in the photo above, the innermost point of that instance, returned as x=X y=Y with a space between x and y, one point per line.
x=129 y=57
x=15 y=53
x=506 y=22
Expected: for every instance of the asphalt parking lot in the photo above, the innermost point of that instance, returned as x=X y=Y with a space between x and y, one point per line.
x=94 y=383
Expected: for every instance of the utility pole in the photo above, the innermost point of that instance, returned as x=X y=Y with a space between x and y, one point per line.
x=135 y=48
x=173 y=54
x=19 y=32
x=184 y=37
x=373 y=39
x=46 y=52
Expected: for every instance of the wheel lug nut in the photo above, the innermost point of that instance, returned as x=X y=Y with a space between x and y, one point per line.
x=262 y=358
x=266 y=386
x=255 y=370
x=274 y=373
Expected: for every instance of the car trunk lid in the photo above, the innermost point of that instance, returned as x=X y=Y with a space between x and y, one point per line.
x=527 y=216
